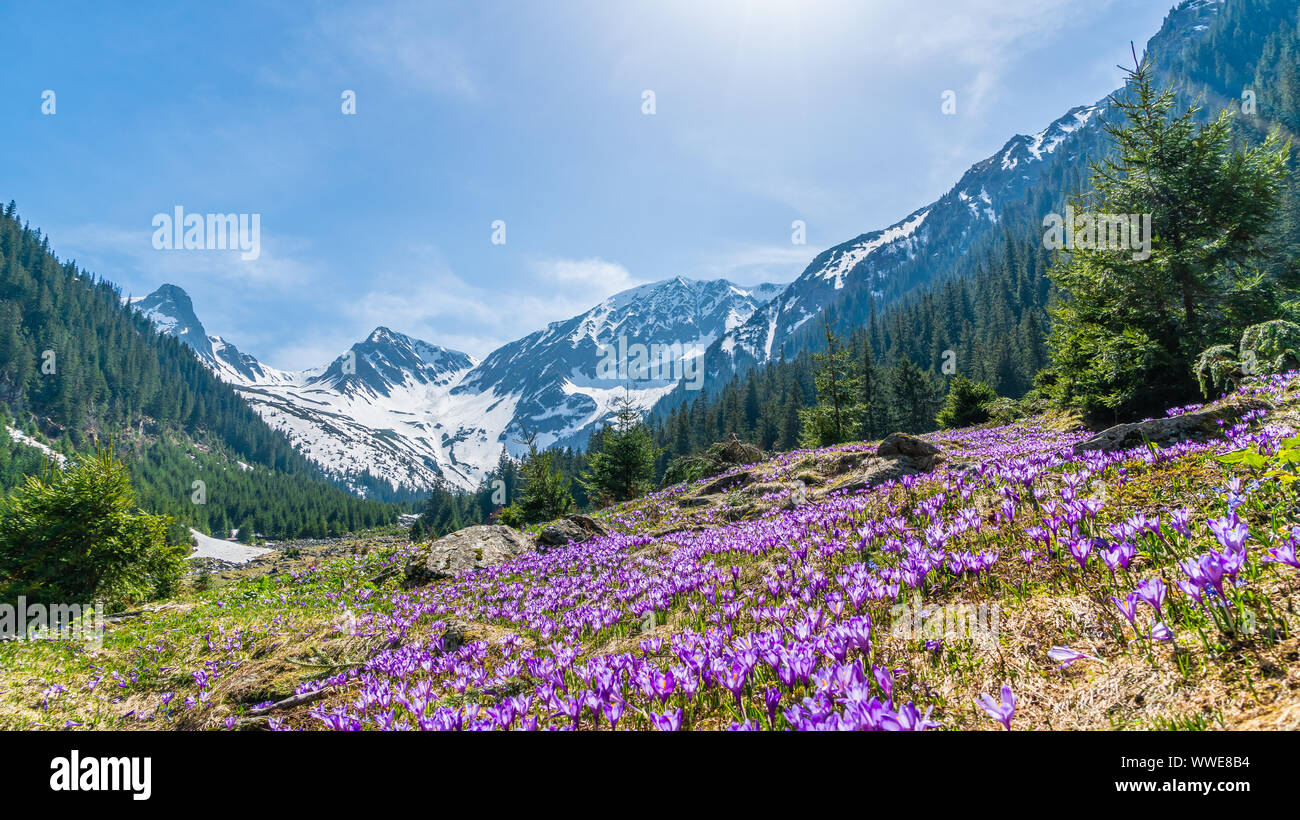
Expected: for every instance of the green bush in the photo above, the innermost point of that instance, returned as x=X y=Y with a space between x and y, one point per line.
x=1004 y=410
x=1217 y=370
x=75 y=536
x=1270 y=347
x=1266 y=348
x=967 y=403
x=513 y=516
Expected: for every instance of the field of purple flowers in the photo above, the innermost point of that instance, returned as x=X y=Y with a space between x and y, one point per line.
x=1018 y=585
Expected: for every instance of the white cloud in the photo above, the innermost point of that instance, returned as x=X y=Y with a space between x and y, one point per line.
x=758 y=264
x=440 y=307
x=586 y=275
x=111 y=250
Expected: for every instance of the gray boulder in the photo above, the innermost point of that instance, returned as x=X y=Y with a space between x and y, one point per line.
x=1163 y=432
x=470 y=548
x=877 y=471
x=576 y=528
x=726 y=483
x=897 y=456
x=921 y=453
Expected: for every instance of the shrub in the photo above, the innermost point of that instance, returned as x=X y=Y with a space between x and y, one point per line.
x=1266 y=348
x=1217 y=370
x=76 y=536
x=718 y=459
x=967 y=403
x=512 y=516
x=1270 y=347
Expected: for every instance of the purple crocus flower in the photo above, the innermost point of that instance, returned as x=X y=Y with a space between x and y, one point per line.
x=1081 y=548
x=614 y=712
x=1180 y=520
x=1282 y=554
x=1127 y=607
x=772 y=700
x=1209 y=572
x=1001 y=712
x=1152 y=591
x=668 y=721
x=910 y=719
x=1066 y=656
x=1232 y=534
x=885 y=680
x=662 y=684
x=1160 y=632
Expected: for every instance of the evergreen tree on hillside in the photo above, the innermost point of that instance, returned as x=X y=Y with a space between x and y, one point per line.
x=544 y=492
x=1127 y=330
x=621 y=461
x=913 y=398
x=837 y=415
x=76 y=536
x=873 y=395
x=966 y=404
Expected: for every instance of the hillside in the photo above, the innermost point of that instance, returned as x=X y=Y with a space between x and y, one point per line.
x=1105 y=582
x=79 y=368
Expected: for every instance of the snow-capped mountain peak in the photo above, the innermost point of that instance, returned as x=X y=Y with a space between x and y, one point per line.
x=171 y=311
x=409 y=412
x=387 y=359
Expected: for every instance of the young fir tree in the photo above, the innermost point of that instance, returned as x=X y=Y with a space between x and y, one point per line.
x=966 y=404
x=1128 y=329
x=621 y=461
x=76 y=535
x=837 y=415
x=913 y=406
x=543 y=488
x=872 y=397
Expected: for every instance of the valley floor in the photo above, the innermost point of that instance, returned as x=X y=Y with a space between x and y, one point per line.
x=1145 y=588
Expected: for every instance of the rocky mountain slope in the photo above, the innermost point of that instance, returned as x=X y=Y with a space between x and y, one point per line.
x=938 y=240
x=407 y=413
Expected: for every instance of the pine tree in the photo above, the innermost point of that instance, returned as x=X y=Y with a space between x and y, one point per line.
x=965 y=404
x=837 y=416
x=620 y=464
x=1125 y=335
x=873 y=398
x=544 y=494
x=913 y=405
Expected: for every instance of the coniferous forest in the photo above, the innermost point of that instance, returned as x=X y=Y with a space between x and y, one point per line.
x=78 y=368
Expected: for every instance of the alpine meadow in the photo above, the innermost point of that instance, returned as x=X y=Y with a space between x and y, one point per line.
x=567 y=414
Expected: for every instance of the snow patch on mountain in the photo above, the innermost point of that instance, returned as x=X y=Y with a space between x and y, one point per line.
x=411 y=413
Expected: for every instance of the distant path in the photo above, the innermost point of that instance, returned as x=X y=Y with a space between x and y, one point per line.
x=231 y=551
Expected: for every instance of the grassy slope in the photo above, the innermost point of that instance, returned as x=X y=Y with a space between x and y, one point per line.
x=736 y=560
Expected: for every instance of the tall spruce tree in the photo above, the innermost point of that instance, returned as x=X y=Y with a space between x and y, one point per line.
x=1128 y=328
x=621 y=461
x=837 y=415
x=914 y=401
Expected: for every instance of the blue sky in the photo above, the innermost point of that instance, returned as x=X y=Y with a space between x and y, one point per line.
x=826 y=111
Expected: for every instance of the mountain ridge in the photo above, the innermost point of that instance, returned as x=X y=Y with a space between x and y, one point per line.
x=411 y=413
